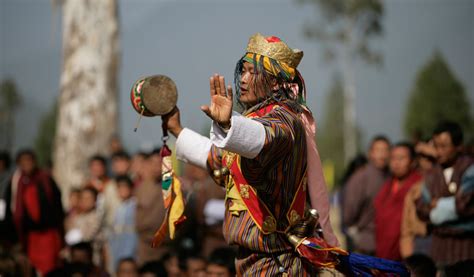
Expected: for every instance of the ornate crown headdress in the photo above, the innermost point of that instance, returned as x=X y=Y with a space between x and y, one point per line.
x=274 y=48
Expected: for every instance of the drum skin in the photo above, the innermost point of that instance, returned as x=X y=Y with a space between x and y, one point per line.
x=154 y=95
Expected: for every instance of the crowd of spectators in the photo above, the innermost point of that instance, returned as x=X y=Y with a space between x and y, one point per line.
x=407 y=201
x=110 y=220
x=413 y=202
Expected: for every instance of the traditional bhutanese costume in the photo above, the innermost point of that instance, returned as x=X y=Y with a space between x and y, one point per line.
x=452 y=219
x=269 y=165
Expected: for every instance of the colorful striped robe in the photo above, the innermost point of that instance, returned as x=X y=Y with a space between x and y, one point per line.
x=274 y=173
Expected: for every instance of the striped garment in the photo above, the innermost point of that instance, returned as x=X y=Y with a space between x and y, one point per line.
x=453 y=239
x=275 y=174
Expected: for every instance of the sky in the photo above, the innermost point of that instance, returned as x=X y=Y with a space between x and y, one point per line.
x=190 y=40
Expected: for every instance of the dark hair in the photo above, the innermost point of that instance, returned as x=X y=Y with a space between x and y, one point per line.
x=421 y=265
x=25 y=152
x=155 y=267
x=71 y=269
x=155 y=151
x=124 y=179
x=98 y=158
x=168 y=255
x=408 y=146
x=463 y=268
x=453 y=129
x=91 y=190
x=225 y=257
x=83 y=246
x=122 y=155
x=5 y=157
x=125 y=260
x=184 y=256
x=75 y=190
x=359 y=161
x=144 y=155
x=378 y=138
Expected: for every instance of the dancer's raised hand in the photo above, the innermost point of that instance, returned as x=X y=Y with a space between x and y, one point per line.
x=220 y=109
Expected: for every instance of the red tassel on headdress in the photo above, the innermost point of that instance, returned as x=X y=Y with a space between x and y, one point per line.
x=273 y=39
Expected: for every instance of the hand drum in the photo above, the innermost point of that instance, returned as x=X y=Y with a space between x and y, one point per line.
x=154 y=95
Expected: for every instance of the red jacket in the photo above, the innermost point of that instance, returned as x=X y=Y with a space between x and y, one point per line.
x=388 y=215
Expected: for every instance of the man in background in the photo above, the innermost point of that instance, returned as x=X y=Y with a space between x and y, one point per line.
x=390 y=199
x=447 y=200
x=359 y=194
x=150 y=210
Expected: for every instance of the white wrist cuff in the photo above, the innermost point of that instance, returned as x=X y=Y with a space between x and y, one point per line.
x=192 y=147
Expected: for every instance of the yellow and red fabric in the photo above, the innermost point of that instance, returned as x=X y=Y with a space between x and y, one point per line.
x=270 y=65
x=172 y=198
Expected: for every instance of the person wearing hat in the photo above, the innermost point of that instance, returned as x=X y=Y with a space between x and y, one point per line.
x=266 y=158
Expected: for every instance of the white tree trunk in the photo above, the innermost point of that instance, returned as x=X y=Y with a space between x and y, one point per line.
x=350 y=133
x=88 y=98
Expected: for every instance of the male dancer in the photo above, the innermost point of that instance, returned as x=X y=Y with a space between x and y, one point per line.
x=266 y=158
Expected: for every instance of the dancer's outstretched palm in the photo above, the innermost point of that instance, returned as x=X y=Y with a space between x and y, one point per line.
x=220 y=109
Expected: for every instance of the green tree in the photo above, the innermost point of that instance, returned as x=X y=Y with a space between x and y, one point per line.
x=330 y=136
x=10 y=101
x=45 y=138
x=436 y=95
x=345 y=34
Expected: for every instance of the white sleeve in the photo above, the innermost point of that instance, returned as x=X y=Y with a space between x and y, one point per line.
x=245 y=136
x=192 y=147
x=444 y=211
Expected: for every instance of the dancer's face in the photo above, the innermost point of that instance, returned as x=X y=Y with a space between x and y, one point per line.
x=250 y=92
